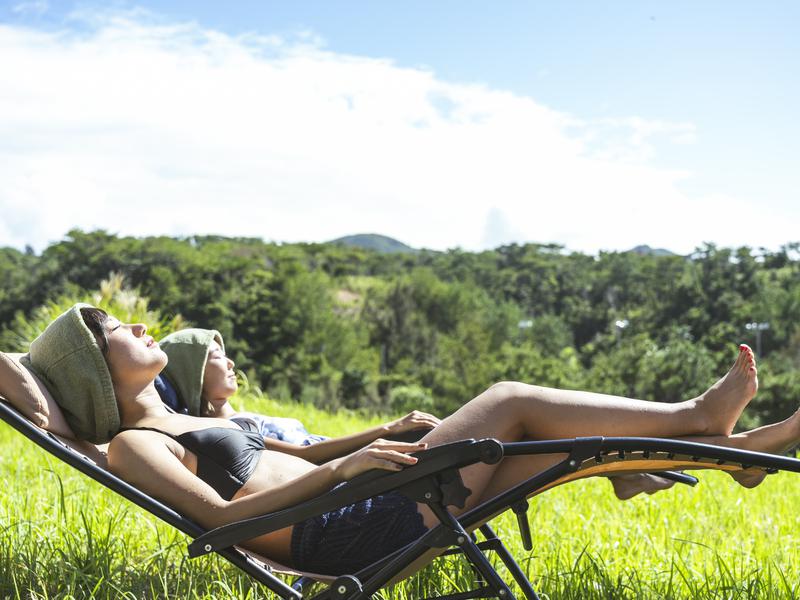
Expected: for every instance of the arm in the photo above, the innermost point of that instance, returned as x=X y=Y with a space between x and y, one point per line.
x=326 y=450
x=152 y=464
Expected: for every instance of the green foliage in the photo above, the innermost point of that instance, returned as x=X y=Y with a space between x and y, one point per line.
x=342 y=327
x=406 y=398
x=123 y=303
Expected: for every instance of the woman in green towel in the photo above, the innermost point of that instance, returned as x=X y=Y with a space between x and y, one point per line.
x=199 y=379
x=215 y=471
x=203 y=381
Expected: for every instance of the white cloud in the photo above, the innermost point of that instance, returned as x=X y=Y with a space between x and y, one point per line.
x=145 y=127
x=36 y=8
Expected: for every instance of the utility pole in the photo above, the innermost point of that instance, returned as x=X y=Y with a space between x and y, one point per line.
x=758 y=328
x=619 y=325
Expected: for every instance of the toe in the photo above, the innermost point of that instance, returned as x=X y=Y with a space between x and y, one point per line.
x=749 y=358
x=741 y=363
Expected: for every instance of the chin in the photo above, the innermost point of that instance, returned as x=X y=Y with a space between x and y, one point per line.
x=162 y=358
x=157 y=363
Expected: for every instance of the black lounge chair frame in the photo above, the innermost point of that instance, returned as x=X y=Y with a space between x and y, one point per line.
x=435 y=481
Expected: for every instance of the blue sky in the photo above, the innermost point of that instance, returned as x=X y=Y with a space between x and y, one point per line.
x=594 y=125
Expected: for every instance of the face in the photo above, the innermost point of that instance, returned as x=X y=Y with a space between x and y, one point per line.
x=219 y=380
x=133 y=356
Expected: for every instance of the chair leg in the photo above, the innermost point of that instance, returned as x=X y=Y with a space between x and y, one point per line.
x=473 y=553
x=448 y=533
x=508 y=560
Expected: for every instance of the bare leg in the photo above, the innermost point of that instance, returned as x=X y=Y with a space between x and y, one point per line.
x=774 y=438
x=512 y=411
x=737 y=387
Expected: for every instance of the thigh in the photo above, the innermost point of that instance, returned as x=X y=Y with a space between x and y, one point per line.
x=481 y=418
x=492 y=414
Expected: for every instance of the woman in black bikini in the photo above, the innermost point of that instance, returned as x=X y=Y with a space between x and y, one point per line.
x=101 y=372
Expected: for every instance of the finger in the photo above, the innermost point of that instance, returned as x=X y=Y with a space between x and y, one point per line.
x=393 y=456
x=433 y=419
x=425 y=419
x=425 y=425
x=403 y=446
x=387 y=465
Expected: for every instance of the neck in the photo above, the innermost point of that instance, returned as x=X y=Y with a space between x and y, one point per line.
x=137 y=403
x=222 y=410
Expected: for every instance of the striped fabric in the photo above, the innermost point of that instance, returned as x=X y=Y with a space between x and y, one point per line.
x=346 y=540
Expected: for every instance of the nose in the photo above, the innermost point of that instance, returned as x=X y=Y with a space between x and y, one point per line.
x=230 y=364
x=139 y=329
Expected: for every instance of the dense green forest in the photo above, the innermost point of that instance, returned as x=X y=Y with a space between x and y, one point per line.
x=340 y=326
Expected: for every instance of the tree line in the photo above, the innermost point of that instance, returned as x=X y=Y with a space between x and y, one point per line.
x=340 y=326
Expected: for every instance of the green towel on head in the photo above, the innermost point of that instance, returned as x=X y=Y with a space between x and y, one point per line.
x=187 y=350
x=68 y=360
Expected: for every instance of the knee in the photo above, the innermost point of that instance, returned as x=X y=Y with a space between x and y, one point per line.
x=507 y=389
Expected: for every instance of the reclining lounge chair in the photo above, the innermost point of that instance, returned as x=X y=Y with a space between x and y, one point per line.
x=434 y=480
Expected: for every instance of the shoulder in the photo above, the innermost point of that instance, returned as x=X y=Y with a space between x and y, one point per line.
x=131 y=444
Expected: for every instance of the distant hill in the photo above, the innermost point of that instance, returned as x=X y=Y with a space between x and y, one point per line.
x=387 y=245
x=648 y=251
x=373 y=241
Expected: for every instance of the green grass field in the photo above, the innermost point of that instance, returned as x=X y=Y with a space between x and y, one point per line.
x=63 y=536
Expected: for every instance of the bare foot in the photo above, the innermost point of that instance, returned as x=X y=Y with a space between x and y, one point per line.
x=724 y=401
x=749 y=478
x=628 y=486
x=776 y=438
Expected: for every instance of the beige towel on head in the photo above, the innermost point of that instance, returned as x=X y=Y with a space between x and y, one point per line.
x=187 y=350
x=68 y=360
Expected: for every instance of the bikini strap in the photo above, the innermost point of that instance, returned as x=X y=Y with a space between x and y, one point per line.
x=167 y=433
x=246 y=423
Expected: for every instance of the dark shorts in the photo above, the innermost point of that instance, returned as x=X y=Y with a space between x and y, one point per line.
x=346 y=540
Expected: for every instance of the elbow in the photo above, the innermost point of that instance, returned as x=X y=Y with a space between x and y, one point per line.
x=220 y=512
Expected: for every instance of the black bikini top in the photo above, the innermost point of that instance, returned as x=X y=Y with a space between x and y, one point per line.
x=226 y=456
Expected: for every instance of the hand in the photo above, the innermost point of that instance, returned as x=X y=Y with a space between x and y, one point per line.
x=380 y=454
x=413 y=420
